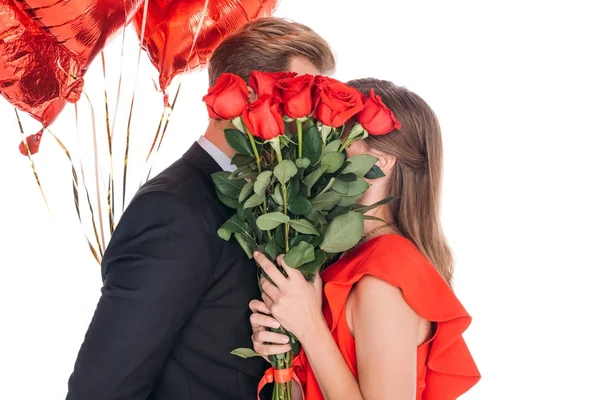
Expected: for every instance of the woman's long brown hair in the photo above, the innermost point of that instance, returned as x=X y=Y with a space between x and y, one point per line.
x=417 y=176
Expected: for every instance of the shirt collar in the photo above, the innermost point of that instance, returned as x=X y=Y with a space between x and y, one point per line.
x=216 y=154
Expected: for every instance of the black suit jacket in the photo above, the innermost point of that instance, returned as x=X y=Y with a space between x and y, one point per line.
x=175 y=299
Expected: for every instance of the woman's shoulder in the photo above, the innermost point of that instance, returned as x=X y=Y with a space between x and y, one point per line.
x=395 y=260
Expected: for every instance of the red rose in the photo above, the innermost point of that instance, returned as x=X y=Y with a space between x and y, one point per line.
x=335 y=102
x=297 y=95
x=266 y=82
x=227 y=98
x=263 y=117
x=375 y=117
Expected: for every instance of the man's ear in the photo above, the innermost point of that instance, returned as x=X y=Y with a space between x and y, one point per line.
x=251 y=95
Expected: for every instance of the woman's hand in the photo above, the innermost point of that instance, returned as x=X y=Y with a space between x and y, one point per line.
x=293 y=301
x=266 y=343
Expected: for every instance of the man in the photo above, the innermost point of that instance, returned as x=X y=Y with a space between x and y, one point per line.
x=175 y=297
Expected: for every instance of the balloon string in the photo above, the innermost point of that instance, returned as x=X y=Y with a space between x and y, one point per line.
x=127 y=135
x=111 y=183
x=169 y=108
x=120 y=73
x=31 y=163
x=75 y=182
x=99 y=233
x=196 y=34
x=166 y=117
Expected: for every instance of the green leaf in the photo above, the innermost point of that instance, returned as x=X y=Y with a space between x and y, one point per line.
x=349 y=200
x=224 y=234
x=315 y=265
x=360 y=164
x=347 y=177
x=228 y=187
x=356 y=131
x=302 y=238
x=326 y=201
x=343 y=232
x=302 y=162
x=254 y=200
x=332 y=146
x=242 y=170
x=364 y=209
x=299 y=205
x=316 y=216
x=234 y=225
x=338 y=210
x=332 y=161
x=277 y=196
x=340 y=187
x=245 y=353
x=245 y=192
x=238 y=141
x=357 y=187
x=243 y=213
x=262 y=182
x=241 y=161
x=246 y=242
x=326 y=188
x=272 y=248
x=303 y=226
x=285 y=170
x=252 y=175
x=280 y=236
x=252 y=221
x=374 y=173
x=228 y=201
x=271 y=220
x=300 y=254
x=325 y=131
x=313 y=177
x=311 y=144
x=294 y=188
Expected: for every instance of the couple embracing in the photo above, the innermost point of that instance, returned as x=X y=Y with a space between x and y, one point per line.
x=382 y=322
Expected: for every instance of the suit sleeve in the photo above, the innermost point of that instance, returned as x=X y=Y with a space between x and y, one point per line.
x=156 y=268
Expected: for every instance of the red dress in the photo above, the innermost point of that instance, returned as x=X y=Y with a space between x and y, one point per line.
x=445 y=368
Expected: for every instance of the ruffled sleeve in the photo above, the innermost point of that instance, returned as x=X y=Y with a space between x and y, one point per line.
x=451 y=370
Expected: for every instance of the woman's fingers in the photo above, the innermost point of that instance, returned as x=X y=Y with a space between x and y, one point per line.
x=292 y=273
x=271 y=349
x=269 y=337
x=268 y=301
x=260 y=320
x=257 y=306
x=270 y=269
x=269 y=289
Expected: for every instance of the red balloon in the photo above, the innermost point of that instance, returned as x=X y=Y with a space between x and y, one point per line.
x=33 y=143
x=47 y=45
x=82 y=26
x=171 y=26
x=37 y=75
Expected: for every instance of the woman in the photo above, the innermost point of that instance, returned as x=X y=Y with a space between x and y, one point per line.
x=390 y=316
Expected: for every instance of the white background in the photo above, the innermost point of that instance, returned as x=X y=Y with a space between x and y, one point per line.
x=516 y=86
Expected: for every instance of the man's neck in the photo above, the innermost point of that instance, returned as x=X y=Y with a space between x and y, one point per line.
x=215 y=134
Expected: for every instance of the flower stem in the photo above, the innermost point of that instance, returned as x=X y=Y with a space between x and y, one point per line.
x=284 y=194
x=259 y=169
x=299 y=129
x=346 y=143
x=255 y=150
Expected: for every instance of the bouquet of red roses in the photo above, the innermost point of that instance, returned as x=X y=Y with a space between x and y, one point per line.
x=295 y=190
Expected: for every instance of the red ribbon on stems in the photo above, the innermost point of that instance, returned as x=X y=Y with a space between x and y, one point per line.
x=279 y=376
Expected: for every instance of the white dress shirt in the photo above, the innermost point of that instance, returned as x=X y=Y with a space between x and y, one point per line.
x=217 y=155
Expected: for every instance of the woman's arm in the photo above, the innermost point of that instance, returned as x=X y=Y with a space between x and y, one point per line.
x=386 y=330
